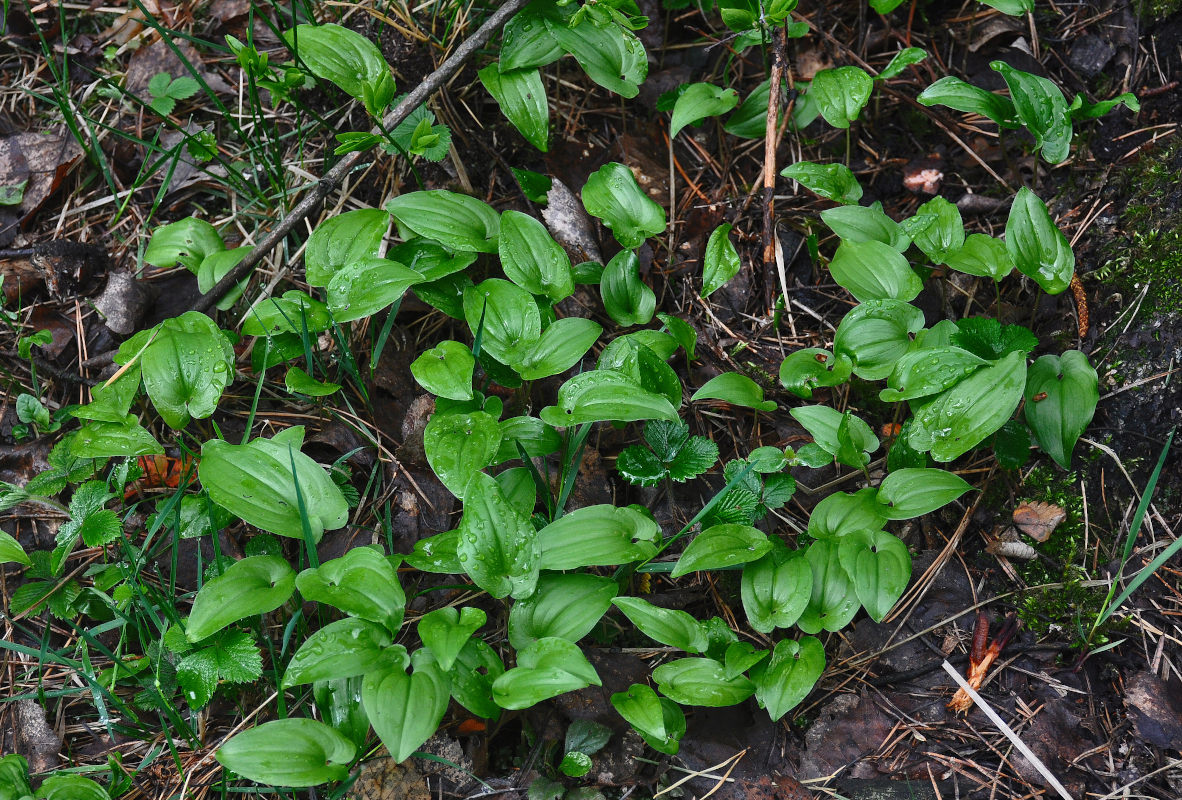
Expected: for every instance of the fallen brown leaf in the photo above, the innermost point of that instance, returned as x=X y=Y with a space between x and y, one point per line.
x=1038 y=520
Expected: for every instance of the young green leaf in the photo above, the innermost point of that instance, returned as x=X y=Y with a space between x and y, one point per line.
x=299 y=382
x=253 y=585
x=1082 y=109
x=456 y=221
x=472 y=676
x=337 y=703
x=736 y=389
x=294 y=312
x=865 y=224
x=805 y=370
x=721 y=262
x=597 y=536
x=289 y=752
x=900 y=62
x=921 y=373
x=722 y=546
x=215 y=266
x=945 y=235
x=701 y=682
x=460 y=445
x=629 y=356
x=340 y=649
x=982 y=255
x=1042 y=108
x=256 y=482
x=187 y=242
x=604 y=395
x=365 y=287
x=750 y=119
x=522 y=97
x=446 y=370
x=547 y=668
x=824 y=423
x=611 y=55
x=700 y=101
x=361 y=583
x=342 y=240
x=1036 y=245
x=954 y=93
x=186 y=366
x=776 y=588
x=613 y=195
x=1015 y=8
x=876 y=334
x=658 y=720
x=841 y=93
x=507 y=317
x=498 y=546
x=668 y=626
x=872 y=270
x=834 y=601
x=963 y=416
x=627 y=299
x=532 y=259
x=11 y=551
x=405 y=710
x=446 y=630
x=879 y=566
x=834 y=182
x=682 y=332
x=784 y=680
x=528 y=38
x=565 y=605
x=342 y=56
x=908 y=493
x=1061 y=396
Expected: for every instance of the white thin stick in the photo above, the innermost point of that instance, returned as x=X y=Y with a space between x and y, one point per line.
x=1008 y=731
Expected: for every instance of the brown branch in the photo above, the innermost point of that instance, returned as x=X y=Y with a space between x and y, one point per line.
x=771 y=140
x=333 y=178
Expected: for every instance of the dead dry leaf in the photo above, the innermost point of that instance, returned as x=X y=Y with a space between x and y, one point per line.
x=385 y=779
x=41 y=159
x=1038 y=520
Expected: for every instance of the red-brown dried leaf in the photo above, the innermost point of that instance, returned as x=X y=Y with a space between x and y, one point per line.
x=1038 y=520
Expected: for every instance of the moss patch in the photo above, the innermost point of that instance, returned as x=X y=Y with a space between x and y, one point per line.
x=1156 y=10
x=1150 y=251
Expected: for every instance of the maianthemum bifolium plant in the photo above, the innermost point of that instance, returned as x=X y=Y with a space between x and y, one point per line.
x=559 y=570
